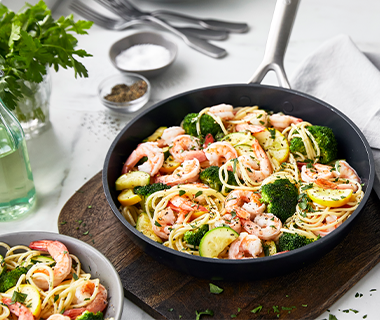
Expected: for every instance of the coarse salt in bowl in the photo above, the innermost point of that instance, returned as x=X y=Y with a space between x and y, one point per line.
x=146 y=53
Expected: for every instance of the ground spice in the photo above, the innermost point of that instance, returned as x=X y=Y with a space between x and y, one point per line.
x=124 y=93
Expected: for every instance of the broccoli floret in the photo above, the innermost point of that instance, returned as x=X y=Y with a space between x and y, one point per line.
x=194 y=237
x=9 y=279
x=210 y=176
x=150 y=188
x=325 y=139
x=207 y=125
x=281 y=197
x=292 y=241
x=90 y=316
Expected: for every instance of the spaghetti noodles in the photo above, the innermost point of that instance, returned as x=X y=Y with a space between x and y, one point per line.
x=72 y=296
x=261 y=141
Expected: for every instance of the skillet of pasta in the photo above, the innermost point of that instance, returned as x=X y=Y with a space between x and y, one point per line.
x=238 y=183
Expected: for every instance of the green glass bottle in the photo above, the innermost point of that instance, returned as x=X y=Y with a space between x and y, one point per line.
x=17 y=191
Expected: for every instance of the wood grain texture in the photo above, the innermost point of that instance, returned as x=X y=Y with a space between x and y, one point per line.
x=167 y=294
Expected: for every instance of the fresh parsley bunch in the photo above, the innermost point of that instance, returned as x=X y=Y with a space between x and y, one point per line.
x=32 y=40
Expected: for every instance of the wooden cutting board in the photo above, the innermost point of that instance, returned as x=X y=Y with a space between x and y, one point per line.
x=167 y=294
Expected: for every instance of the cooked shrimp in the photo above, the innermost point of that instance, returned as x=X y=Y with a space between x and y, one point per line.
x=345 y=171
x=233 y=222
x=280 y=121
x=245 y=247
x=257 y=117
x=342 y=170
x=147 y=149
x=60 y=254
x=330 y=223
x=184 y=206
x=170 y=133
x=266 y=226
x=253 y=128
x=258 y=170
x=246 y=204
x=316 y=171
x=58 y=316
x=162 y=222
x=187 y=172
x=224 y=111
x=18 y=309
x=85 y=292
x=218 y=153
x=186 y=147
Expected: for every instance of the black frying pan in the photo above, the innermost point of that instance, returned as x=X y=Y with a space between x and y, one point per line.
x=352 y=146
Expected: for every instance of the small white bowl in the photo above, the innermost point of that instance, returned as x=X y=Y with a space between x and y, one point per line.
x=105 y=88
x=144 y=38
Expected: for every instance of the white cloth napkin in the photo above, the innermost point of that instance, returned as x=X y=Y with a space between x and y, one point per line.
x=341 y=75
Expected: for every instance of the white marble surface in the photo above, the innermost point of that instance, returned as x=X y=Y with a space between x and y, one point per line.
x=82 y=129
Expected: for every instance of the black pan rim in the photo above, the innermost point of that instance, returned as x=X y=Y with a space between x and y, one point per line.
x=279 y=257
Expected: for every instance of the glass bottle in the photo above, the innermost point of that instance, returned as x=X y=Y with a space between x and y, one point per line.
x=17 y=191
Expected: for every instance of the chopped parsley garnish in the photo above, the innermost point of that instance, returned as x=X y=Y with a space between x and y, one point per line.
x=56 y=297
x=257 y=309
x=18 y=297
x=157 y=224
x=75 y=276
x=207 y=312
x=215 y=289
x=181 y=193
x=198 y=194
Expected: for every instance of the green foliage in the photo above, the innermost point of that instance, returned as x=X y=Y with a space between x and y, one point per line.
x=207 y=125
x=281 y=197
x=325 y=139
x=91 y=316
x=150 y=188
x=9 y=279
x=292 y=241
x=30 y=41
x=194 y=237
x=210 y=176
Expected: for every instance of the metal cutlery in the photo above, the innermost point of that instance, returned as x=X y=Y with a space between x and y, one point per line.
x=212 y=24
x=194 y=42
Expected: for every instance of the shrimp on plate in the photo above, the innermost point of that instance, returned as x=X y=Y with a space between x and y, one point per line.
x=60 y=254
x=18 y=309
x=281 y=121
x=232 y=221
x=84 y=293
x=257 y=117
x=257 y=170
x=246 y=246
x=218 y=153
x=224 y=111
x=186 y=147
x=150 y=150
x=265 y=226
x=58 y=316
x=187 y=172
x=244 y=203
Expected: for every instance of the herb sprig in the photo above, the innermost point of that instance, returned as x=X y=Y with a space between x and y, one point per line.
x=32 y=40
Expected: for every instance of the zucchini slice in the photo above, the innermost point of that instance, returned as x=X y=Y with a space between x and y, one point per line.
x=216 y=240
x=144 y=225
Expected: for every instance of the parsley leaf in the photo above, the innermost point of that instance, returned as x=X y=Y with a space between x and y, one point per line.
x=207 y=312
x=215 y=289
x=31 y=41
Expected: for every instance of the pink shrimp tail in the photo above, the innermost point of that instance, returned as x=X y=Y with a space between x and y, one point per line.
x=41 y=245
x=21 y=311
x=73 y=313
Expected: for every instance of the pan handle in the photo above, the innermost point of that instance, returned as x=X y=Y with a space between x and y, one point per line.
x=278 y=38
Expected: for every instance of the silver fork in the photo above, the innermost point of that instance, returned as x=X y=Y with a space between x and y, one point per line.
x=196 y=43
x=212 y=24
x=101 y=20
x=121 y=24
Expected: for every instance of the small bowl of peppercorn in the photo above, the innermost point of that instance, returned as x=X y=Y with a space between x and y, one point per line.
x=124 y=92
